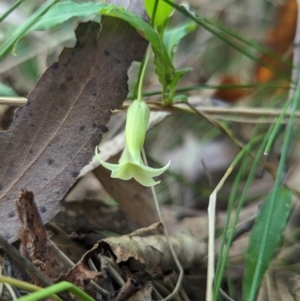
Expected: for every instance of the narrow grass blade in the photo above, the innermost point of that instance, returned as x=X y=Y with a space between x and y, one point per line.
x=11 y=9
x=57 y=288
x=229 y=39
x=20 y=32
x=279 y=215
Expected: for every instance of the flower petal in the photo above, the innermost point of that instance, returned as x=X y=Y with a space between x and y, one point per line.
x=144 y=179
x=154 y=172
x=124 y=172
x=107 y=165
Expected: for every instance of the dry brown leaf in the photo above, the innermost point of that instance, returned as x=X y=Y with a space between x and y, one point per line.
x=55 y=134
x=80 y=274
x=151 y=254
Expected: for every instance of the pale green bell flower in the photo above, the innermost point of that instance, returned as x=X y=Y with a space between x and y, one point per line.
x=131 y=164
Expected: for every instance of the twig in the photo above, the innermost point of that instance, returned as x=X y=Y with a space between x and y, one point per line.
x=13 y=101
x=161 y=219
x=219 y=112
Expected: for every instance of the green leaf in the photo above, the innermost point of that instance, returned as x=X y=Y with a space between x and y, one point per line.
x=163 y=65
x=163 y=11
x=279 y=216
x=173 y=36
x=172 y=86
x=64 y=11
x=180 y=98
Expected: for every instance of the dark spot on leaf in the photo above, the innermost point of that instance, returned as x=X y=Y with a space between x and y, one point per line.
x=30 y=114
x=32 y=125
x=95 y=125
x=82 y=128
x=103 y=128
x=63 y=86
x=118 y=61
x=1 y=187
x=45 y=179
x=55 y=65
x=69 y=77
x=50 y=161
x=75 y=174
x=30 y=152
x=28 y=103
x=93 y=107
x=106 y=53
x=43 y=209
x=94 y=94
x=11 y=214
x=57 y=192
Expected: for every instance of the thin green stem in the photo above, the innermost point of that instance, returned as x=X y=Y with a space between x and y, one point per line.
x=57 y=288
x=137 y=83
x=276 y=128
x=141 y=78
x=154 y=12
x=11 y=9
x=161 y=219
x=24 y=285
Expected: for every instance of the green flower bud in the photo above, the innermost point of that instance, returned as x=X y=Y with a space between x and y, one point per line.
x=131 y=164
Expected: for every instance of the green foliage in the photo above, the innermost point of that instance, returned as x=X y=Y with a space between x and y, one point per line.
x=279 y=216
x=173 y=36
x=163 y=64
x=160 y=11
x=231 y=38
x=234 y=200
x=64 y=11
x=271 y=221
